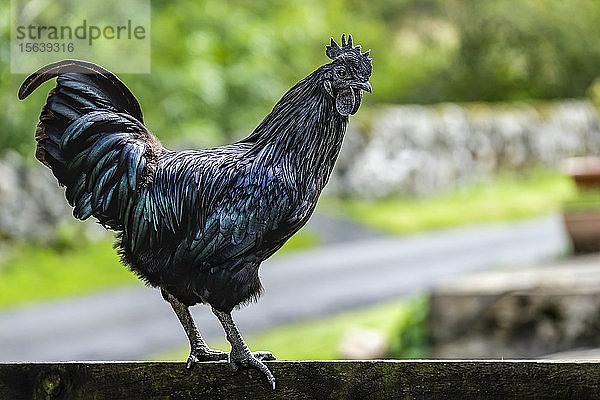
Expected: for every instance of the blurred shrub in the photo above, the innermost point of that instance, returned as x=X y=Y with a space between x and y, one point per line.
x=513 y=50
x=409 y=338
x=218 y=67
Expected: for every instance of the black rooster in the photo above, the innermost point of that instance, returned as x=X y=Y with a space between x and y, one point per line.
x=197 y=224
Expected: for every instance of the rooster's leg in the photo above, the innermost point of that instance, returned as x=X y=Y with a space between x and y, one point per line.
x=199 y=349
x=240 y=355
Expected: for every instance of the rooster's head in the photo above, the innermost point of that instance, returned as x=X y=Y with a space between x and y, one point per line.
x=347 y=75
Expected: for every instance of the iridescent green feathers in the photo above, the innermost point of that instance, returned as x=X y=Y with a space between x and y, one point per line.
x=91 y=135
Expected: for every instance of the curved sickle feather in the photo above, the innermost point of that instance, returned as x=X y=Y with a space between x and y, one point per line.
x=81 y=67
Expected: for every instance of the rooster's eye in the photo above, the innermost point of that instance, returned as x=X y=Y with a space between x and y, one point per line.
x=341 y=72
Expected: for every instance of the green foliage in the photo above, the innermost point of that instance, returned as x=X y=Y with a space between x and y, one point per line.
x=218 y=67
x=409 y=337
x=513 y=50
x=70 y=235
x=319 y=339
x=503 y=198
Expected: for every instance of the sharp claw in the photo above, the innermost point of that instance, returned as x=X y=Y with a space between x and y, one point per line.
x=191 y=361
x=271 y=379
x=264 y=355
x=257 y=364
x=254 y=360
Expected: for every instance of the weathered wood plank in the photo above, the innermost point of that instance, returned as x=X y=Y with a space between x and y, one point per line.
x=303 y=380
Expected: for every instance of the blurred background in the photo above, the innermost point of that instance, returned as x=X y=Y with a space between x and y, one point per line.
x=462 y=219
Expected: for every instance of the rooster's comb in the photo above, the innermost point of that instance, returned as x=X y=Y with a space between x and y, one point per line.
x=334 y=50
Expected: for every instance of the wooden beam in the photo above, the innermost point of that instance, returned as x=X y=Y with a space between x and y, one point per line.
x=303 y=380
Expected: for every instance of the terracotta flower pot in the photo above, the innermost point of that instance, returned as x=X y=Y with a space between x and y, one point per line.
x=583 y=227
x=585 y=171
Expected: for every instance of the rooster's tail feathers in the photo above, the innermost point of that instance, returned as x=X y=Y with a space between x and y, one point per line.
x=91 y=135
x=95 y=81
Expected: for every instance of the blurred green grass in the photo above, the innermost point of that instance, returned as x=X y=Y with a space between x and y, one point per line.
x=506 y=197
x=399 y=321
x=35 y=273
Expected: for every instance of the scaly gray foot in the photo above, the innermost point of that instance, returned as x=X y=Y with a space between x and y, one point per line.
x=240 y=355
x=246 y=359
x=205 y=354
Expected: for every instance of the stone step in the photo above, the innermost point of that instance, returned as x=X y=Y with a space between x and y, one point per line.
x=518 y=313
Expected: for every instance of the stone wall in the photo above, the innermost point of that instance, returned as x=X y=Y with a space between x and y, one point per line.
x=420 y=150
x=411 y=150
x=32 y=205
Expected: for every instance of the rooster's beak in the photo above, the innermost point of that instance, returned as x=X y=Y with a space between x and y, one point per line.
x=366 y=86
